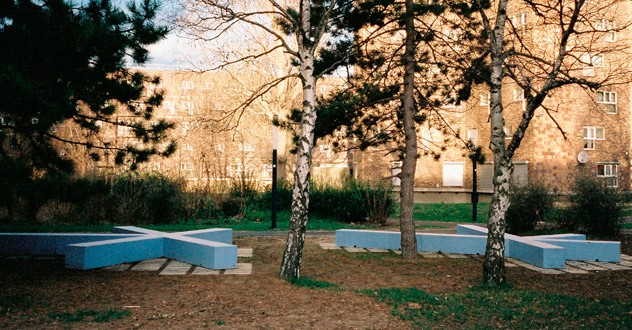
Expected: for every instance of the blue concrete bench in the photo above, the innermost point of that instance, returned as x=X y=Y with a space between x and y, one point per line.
x=547 y=251
x=426 y=242
x=209 y=248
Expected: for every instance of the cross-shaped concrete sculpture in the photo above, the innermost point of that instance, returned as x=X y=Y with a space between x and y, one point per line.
x=209 y=248
x=548 y=251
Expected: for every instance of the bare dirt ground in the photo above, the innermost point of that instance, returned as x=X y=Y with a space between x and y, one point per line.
x=32 y=289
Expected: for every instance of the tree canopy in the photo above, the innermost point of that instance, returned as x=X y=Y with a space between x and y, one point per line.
x=65 y=63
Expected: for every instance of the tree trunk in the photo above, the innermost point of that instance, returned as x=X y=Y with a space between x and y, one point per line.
x=292 y=256
x=409 y=164
x=494 y=273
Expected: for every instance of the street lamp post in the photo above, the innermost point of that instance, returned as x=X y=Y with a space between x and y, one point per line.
x=275 y=141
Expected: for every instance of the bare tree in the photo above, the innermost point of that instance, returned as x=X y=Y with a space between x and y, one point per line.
x=299 y=30
x=540 y=46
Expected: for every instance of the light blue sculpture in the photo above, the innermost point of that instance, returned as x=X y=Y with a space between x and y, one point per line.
x=208 y=248
x=547 y=251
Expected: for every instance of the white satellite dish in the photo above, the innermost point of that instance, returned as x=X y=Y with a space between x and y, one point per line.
x=582 y=157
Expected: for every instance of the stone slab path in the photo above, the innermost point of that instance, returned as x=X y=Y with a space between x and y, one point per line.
x=170 y=267
x=572 y=267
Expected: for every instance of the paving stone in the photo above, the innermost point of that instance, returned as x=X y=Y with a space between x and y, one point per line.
x=583 y=265
x=397 y=251
x=455 y=255
x=626 y=257
x=534 y=268
x=242 y=269
x=204 y=271
x=378 y=250
x=609 y=265
x=119 y=268
x=244 y=253
x=329 y=246
x=572 y=270
x=150 y=265
x=354 y=250
x=431 y=255
x=626 y=263
x=176 y=268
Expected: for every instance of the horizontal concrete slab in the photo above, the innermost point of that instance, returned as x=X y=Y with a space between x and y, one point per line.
x=42 y=244
x=199 y=252
x=111 y=252
x=450 y=243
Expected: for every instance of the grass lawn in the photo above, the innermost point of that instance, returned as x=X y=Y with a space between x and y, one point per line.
x=461 y=212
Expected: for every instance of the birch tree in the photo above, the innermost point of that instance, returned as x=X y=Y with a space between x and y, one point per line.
x=539 y=46
x=304 y=30
x=406 y=71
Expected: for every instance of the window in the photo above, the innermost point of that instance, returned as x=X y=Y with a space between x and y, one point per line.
x=188 y=107
x=472 y=135
x=188 y=85
x=608 y=99
x=519 y=22
x=266 y=172
x=170 y=106
x=519 y=96
x=592 y=134
x=509 y=132
x=396 y=168
x=589 y=63
x=453 y=174
x=610 y=173
x=186 y=167
x=247 y=149
x=484 y=99
x=608 y=27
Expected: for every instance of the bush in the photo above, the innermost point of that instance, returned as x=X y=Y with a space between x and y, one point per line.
x=528 y=206
x=594 y=209
x=353 y=202
x=378 y=201
x=147 y=199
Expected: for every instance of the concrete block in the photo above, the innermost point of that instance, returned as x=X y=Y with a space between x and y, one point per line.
x=606 y=251
x=376 y=239
x=111 y=252
x=199 y=252
x=450 y=243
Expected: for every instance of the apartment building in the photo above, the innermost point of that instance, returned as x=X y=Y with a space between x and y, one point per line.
x=577 y=131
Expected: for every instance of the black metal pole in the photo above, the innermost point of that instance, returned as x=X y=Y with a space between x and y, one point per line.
x=474 y=192
x=273 y=208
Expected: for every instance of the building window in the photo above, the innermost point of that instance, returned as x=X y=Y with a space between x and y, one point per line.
x=610 y=173
x=519 y=96
x=484 y=99
x=608 y=27
x=453 y=174
x=266 y=172
x=589 y=62
x=187 y=168
x=188 y=85
x=608 y=99
x=396 y=168
x=520 y=22
x=592 y=134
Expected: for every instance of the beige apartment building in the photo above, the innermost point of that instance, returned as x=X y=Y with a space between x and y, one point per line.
x=577 y=131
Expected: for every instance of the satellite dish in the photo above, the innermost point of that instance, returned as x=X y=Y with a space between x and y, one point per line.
x=582 y=157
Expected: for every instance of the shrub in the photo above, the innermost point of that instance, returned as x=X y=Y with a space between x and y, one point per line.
x=147 y=198
x=594 y=208
x=528 y=206
x=354 y=201
x=378 y=201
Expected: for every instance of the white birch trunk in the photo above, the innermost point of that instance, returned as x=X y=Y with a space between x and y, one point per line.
x=292 y=255
x=494 y=272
